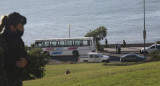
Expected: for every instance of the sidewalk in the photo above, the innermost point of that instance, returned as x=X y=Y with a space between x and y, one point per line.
x=126 y=49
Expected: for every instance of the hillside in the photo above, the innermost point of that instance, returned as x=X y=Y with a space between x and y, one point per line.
x=98 y=74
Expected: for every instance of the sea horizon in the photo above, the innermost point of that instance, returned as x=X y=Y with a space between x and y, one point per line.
x=124 y=21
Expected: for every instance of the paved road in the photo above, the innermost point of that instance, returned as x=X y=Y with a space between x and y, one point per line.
x=116 y=57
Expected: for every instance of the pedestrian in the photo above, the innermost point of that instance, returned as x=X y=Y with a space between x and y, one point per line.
x=119 y=48
x=13 y=57
x=124 y=43
x=106 y=42
x=116 y=47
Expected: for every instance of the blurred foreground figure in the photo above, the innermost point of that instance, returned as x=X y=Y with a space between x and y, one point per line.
x=13 y=57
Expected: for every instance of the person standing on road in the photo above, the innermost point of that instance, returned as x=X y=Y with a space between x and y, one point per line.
x=13 y=57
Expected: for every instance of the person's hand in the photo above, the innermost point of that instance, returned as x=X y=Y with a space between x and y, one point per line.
x=21 y=63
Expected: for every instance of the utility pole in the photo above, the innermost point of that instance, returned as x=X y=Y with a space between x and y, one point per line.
x=69 y=26
x=144 y=31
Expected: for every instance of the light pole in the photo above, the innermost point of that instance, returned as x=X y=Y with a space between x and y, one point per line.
x=144 y=31
x=69 y=26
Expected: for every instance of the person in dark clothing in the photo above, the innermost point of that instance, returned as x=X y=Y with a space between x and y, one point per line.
x=119 y=48
x=124 y=43
x=13 y=57
x=106 y=42
x=116 y=47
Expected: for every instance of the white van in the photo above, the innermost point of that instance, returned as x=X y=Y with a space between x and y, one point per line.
x=94 y=57
x=152 y=48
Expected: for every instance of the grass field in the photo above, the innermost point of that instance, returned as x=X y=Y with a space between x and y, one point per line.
x=99 y=74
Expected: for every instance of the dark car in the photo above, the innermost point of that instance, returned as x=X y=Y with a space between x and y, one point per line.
x=132 y=58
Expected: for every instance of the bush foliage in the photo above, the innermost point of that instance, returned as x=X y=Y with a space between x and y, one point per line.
x=158 y=42
x=35 y=69
x=155 y=56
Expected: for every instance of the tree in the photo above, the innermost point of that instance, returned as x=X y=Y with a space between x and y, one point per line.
x=35 y=69
x=98 y=34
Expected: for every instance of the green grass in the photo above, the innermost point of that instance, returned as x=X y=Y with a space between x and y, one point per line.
x=98 y=74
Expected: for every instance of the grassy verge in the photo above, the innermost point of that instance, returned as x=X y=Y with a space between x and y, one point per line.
x=98 y=74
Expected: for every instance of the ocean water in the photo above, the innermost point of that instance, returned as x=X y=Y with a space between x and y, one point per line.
x=122 y=18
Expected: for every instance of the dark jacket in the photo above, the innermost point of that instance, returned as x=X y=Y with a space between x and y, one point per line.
x=11 y=50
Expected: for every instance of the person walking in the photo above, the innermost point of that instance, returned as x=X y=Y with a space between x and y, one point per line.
x=124 y=43
x=106 y=42
x=13 y=57
x=116 y=47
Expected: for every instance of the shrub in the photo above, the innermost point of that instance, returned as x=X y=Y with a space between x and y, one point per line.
x=158 y=42
x=35 y=69
x=99 y=47
x=155 y=56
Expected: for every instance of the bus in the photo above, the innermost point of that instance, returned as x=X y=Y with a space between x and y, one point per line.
x=66 y=46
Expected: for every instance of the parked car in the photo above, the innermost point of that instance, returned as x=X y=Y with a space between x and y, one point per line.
x=132 y=58
x=94 y=57
x=152 y=48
